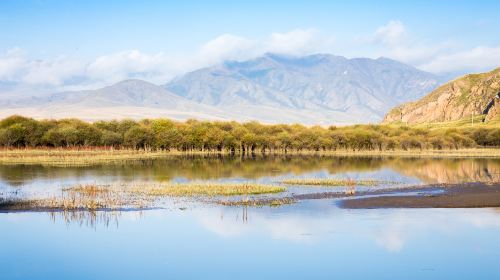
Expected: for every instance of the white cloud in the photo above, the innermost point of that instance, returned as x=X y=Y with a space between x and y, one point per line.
x=298 y=42
x=390 y=40
x=10 y=64
x=295 y=42
x=477 y=59
x=127 y=64
x=52 y=72
x=394 y=32
x=16 y=67
x=65 y=72
x=227 y=47
x=393 y=40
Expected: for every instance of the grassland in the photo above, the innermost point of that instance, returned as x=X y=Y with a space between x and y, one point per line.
x=468 y=122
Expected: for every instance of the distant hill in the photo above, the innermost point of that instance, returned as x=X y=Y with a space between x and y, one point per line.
x=127 y=99
x=470 y=95
x=316 y=89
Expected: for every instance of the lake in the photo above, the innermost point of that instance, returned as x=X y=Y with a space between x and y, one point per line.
x=310 y=239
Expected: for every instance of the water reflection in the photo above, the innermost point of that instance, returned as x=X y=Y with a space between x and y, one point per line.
x=90 y=219
x=197 y=167
x=309 y=240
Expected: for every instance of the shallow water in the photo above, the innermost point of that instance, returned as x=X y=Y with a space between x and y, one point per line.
x=308 y=240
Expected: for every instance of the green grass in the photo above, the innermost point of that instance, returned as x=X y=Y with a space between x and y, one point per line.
x=207 y=189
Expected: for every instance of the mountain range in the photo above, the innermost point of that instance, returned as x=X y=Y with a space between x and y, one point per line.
x=316 y=89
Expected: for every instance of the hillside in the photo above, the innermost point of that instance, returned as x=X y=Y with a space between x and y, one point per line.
x=466 y=97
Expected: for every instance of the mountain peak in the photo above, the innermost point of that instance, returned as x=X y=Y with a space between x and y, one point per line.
x=325 y=88
x=133 y=82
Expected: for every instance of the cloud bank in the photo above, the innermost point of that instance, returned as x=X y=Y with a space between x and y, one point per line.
x=392 y=40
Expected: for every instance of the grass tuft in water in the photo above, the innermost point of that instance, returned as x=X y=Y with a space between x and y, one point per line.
x=132 y=196
x=271 y=202
x=334 y=182
x=207 y=189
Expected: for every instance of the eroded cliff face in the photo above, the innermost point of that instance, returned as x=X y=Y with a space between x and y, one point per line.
x=471 y=95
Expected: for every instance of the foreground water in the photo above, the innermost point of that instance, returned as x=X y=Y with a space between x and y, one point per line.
x=312 y=239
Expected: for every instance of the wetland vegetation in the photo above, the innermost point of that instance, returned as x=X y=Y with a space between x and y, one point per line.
x=231 y=137
x=334 y=182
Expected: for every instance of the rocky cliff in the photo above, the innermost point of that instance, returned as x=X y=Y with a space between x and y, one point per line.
x=470 y=95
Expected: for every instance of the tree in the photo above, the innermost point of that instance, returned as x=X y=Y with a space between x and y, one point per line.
x=138 y=137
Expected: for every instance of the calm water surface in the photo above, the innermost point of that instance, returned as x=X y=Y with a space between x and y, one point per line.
x=308 y=240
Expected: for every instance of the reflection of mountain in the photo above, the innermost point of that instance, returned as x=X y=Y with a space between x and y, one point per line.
x=196 y=167
x=451 y=170
x=204 y=168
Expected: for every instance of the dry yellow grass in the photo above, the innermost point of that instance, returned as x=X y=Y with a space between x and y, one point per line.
x=70 y=157
x=206 y=189
x=273 y=202
x=136 y=196
x=334 y=182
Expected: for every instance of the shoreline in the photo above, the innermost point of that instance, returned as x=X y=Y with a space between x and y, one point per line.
x=95 y=156
x=451 y=195
x=464 y=195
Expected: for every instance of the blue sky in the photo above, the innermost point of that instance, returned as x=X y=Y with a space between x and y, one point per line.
x=89 y=43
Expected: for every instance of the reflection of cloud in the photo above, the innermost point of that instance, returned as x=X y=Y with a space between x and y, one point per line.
x=394 y=233
x=279 y=227
x=392 y=241
x=223 y=227
x=392 y=230
x=490 y=218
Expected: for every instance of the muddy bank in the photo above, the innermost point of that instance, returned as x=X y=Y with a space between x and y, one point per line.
x=466 y=195
x=463 y=195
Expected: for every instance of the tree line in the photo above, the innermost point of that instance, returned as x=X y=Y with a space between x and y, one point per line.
x=249 y=137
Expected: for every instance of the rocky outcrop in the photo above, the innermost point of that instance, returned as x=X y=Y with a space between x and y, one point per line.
x=493 y=109
x=470 y=95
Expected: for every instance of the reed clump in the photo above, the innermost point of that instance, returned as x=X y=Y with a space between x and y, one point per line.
x=207 y=189
x=132 y=196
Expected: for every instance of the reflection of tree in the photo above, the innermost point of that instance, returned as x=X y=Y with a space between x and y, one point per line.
x=217 y=167
x=193 y=167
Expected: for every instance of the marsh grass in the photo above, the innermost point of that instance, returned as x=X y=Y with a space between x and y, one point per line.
x=335 y=182
x=207 y=189
x=76 y=157
x=96 y=156
x=132 y=196
x=271 y=202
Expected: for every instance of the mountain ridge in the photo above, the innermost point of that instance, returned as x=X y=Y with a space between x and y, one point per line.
x=349 y=90
x=319 y=89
